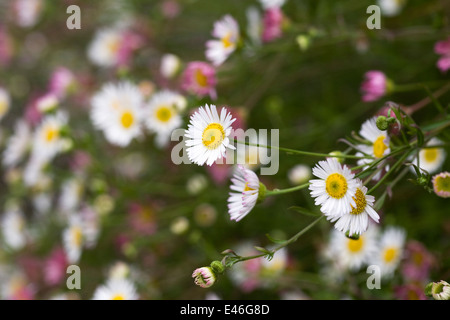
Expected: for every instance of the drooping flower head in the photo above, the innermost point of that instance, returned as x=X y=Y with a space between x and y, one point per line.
x=204 y=277
x=335 y=189
x=226 y=32
x=374 y=86
x=208 y=134
x=441 y=184
x=199 y=78
x=117 y=110
x=245 y=193
x=357 y=220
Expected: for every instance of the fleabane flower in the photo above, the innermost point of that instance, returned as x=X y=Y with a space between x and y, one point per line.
x=245 y=193
x=431 y=157
x=199 y=78
x=379 y=144
x=5 y=102
x=441 y=184
x=73 y=239
x=226 y=32
x=17 y=144
x=162 y=115
x=390 y=251
x=442 y=48
x=116 y=289
x=335 y=189
x=374 y=86
x=440 y=290
x=204 y=277
x=208 y=134
x=13 y=228
x=117 y=110
x=357 y=220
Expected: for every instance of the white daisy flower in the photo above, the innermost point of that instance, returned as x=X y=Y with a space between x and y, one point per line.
x=116 y=289
x=268 y=4
x=246 y=186
x=357 y=220
x=104 y=49
x=390 y=251
x=17 y=144
x=226 y=30
x=47 y=140
x=73 y=239
x=27 y=12
x=208 y=134
x=13 y=228
x=431 y=159
x=5 y=102
x=335 y=188
x=117 y=110
x=379 y=144
x=352 y=254
x=163 y=116
x=390 y=8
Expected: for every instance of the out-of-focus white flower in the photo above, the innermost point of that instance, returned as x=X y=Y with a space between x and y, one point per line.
x=27 y=12
x=5 y=102
x=116 y=289
x=299 y=174
x=226 y=30
x=170 y=65
x=13 y=228
x=17 y=144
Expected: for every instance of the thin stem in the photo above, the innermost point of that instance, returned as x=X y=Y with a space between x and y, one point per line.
x=287 y=190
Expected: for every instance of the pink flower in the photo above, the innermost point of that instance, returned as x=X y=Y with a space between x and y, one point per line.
x=131 y=41
x=374 y=85
x=142 y=218
x=442 y=48
x=55 y=267
x=410 y=291
x=418 y=262
x=272 y=23
x=6 y=47
x=199 y=78
x=204 y=277
x=62 y=79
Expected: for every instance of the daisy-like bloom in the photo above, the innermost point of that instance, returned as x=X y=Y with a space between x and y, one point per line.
x=246 y=188
x=357 y=221
x=352 y=254
x=117 y=110
x=17 y=144
x=441 y=184
x=442 y=48
x=163 y=116
x=199 y=78
x=390 y=8
x=335 y=189
x=390 y=251
x=5 y=102
x=374 y=86
x=73 y=239
x=208 y=134
x=13 y=228
x=226 y=30
x=431 y=158
x=204 y=277
x=170 y=65
x=116 y=289
x=47 y=139
x=440 y=290
x=27 y=12
x=379 y=144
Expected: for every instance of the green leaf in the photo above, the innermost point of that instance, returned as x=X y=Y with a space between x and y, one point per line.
x=304 y=211
x=275 y=240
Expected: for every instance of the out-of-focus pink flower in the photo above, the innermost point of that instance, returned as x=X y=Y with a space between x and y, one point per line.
x=418 y=262
x=131 y=41
x=32 y=114
x=61 y=82
x=272 y=24
x=199 y=78
x=170 y=8
x=55 y=267
x=410 y=291
x=374 y=85
x=6 y=47
x=142 y=218
x=80 y=161
x=442 y=48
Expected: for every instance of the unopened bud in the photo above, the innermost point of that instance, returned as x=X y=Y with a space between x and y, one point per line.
x=217 y=266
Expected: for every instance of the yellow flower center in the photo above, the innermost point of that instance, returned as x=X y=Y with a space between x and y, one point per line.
x=164 y=113
x=113 y=46
x=336 y=185
x=390 y=254
x=379 y=147
x=118 y=297
x=442 y=183
x=213 y=135
x=247 y=188
x=226 y=41
x=127 y=119
x=430 y=154
x=360 y=199
x=355 y=245
x=50 y=134
x=77 y=236
x=201 y=79
x=3 y=107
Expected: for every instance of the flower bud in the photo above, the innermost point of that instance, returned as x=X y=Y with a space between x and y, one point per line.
x=440 y=290
x=217 y=266
x=204 y=277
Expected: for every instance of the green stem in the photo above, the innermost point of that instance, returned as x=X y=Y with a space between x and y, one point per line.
x=282 y=191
